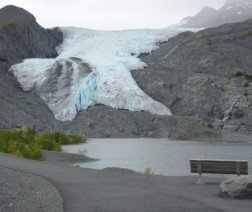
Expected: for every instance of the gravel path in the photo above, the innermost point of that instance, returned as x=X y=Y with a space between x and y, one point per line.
x=20 y=191
x=115 y=190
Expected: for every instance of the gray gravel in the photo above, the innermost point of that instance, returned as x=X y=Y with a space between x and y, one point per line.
x=20 y=191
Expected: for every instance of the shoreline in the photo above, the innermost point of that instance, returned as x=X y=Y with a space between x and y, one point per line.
x=65 y=157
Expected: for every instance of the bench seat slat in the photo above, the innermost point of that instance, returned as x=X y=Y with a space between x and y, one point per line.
x=217 y=170
x=219 y=160
x=219 y=166
x=221 y=172
x=219 y=163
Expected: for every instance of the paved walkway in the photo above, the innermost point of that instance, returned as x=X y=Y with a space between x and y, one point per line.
x=108 y=190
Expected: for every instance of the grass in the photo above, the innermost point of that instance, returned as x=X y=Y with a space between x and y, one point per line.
x=82 y=152
x=31 y=185
x=27 y=144
x=40 y=204
x=148 y=171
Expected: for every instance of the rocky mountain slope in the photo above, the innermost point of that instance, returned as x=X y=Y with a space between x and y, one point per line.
x=189 y=73
x=206 y=75
x=232 y=11
x=22 y=37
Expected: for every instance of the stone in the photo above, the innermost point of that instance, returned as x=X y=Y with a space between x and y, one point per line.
x=237 y=188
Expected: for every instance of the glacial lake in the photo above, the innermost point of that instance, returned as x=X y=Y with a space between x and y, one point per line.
x=164 y=156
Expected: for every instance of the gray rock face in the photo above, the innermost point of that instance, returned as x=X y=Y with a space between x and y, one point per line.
x=232 y=11
x=239 y=187
x=21 y=37
x=192 y=74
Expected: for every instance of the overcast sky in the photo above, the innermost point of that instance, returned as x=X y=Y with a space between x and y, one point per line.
x=112 y=14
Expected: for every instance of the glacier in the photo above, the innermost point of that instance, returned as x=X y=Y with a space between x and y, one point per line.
x=94 y=67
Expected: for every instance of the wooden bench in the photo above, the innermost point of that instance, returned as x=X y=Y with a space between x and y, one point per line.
x=238 y=167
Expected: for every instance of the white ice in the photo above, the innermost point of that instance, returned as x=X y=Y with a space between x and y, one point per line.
x=67 y=86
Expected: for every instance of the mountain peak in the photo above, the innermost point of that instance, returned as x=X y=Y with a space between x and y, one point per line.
x=11 y=13
x=232 y=11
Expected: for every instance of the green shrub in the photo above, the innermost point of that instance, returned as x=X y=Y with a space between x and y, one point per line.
x=32 y=151
x=210 y=126
x=148 y=171
x=243 y=74
x=10 y=24
x=26 y=144
x=246 y=85
x=248 y=76
x=209 y=42
x=47 y=143
x=238 y=74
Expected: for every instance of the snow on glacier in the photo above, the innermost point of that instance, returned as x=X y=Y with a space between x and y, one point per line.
x=93 y=67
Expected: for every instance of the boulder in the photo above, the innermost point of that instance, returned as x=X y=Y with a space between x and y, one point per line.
x=237 y=188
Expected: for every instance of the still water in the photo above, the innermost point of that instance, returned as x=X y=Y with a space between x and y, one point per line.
x=162 y=155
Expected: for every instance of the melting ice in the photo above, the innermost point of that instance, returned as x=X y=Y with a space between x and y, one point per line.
x=93 y=67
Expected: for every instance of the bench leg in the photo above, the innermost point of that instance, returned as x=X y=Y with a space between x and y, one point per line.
x=238 y=168
x=200 y=181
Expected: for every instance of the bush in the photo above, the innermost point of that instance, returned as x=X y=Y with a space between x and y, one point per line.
x=209 y=42
x=246 y=85
x=243 y=74
x=210 y=126
x=238 y=74
x=47 y=143
x=148 y=171
x=10 y=24
x=248 y=76
x=26 y=144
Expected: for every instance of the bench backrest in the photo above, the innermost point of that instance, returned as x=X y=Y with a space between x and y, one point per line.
x=219 y=167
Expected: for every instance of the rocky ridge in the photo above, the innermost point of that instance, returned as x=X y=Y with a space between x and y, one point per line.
x=205 y=75
x=232 y=11
x=22 y=37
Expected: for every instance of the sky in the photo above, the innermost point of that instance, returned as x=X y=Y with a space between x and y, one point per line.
x=112 y=14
